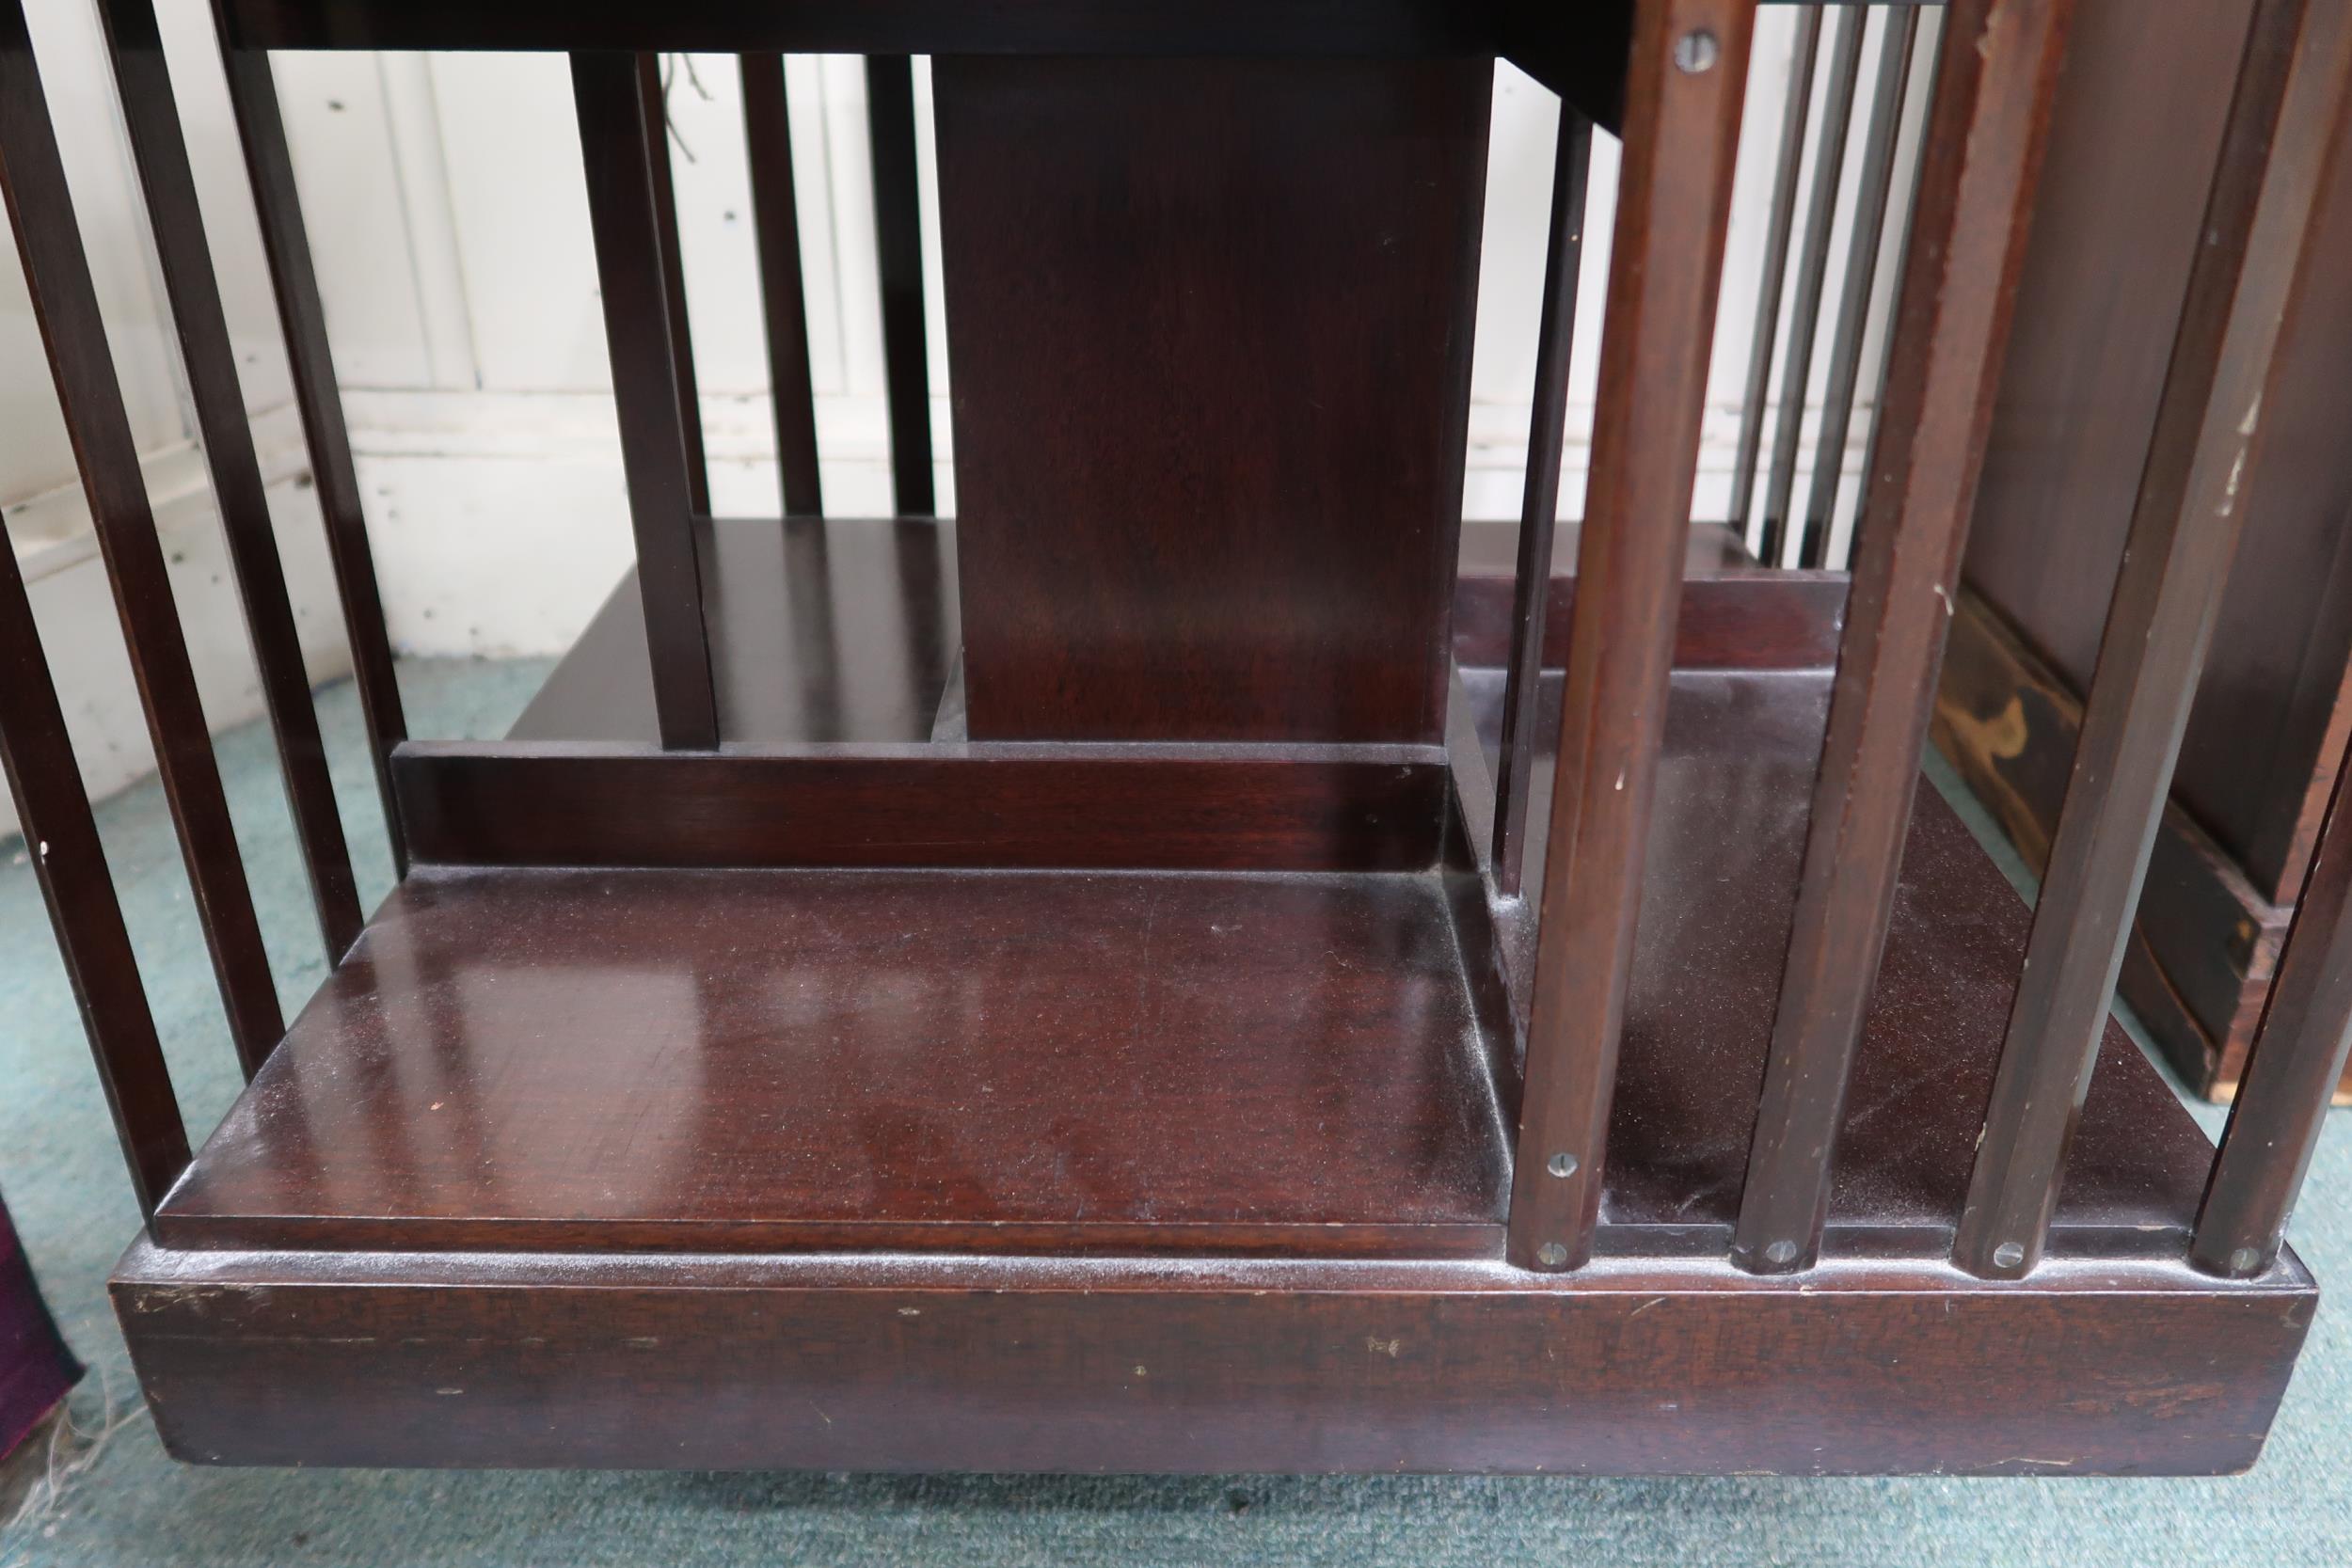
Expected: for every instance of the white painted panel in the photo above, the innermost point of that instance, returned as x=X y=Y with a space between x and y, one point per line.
x=73 y=609
x=520 y=208
x=226 y=197
x=448 y=221
x=71 y=53
x=341 y=132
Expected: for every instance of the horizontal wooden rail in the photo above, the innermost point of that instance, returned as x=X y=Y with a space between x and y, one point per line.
x=1005 y=805
x=1742 y=620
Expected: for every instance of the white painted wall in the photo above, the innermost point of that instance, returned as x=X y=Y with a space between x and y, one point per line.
x=449 y=225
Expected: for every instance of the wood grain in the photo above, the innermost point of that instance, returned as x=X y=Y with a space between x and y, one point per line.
x=1040 y=805
x=1064 y=1366
x=1263 y=427
x=1681 y=138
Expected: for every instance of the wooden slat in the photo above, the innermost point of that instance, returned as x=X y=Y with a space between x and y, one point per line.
x=1873 y=185
x=56 y=274
x=1684 y=89
x=617 y=121
x=153 y=117
x=899 y=251
x=1986 y=140
x=1812 y=268
x=784 y=303
x=68 y=860
x=1358 y=808
x=1772 y=276
x=302 y=316
x=690 y=409
x=2183 y=531
x=2297 y=1059
x=1555 y=343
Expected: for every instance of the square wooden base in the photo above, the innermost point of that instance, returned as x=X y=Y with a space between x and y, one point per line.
x=908 y=1364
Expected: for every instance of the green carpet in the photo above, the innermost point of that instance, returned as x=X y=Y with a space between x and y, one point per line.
x=131 y=1505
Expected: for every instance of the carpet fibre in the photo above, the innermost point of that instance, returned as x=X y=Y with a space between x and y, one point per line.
x=116 y=1500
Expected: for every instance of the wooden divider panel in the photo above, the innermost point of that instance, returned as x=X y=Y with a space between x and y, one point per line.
x=1210 y=329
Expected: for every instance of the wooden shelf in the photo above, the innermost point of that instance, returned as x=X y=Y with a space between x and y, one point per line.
x=772 y=1060
x=618 y=1060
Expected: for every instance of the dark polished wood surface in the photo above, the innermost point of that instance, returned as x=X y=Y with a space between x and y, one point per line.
x=836 y=1029
x=1686 y=80
x=1084 y=1365
x=847 y=629
x=2293 y=108
x=1034 y=805
x=2204 y=942
x=1210 y=397
x=1986 y=139
x=1723 y=859
x=771 y=1060
x=832 y=629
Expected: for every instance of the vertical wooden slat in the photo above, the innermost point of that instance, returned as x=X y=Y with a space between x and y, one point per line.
x=1684 y=89
x=70 y=865
x=1874 y=184
x=617 y=118
x=153 y=121
x=898 y=248
x=1555 y=342
x=1773 y=274
x=690 y=408
x=784 y=302
x=302 y=316
x=1812 y=267
x=2298 y=1057
x=1985 y=141
x=2185 y=526
x=68 y=860
x=56 y=275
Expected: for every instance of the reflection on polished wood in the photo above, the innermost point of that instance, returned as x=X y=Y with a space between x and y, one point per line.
x=775 y=1060
x=819 y=629
x=998 y=1061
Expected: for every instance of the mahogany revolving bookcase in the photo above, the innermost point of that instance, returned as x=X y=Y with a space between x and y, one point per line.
x=1203 y=962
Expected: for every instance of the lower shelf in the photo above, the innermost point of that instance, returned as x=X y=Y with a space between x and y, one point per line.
x=773 y=1060
x=1139 y=1062
x=1141 y=1171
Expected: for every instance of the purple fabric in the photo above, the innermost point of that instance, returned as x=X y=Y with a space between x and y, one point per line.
x=36 y=1368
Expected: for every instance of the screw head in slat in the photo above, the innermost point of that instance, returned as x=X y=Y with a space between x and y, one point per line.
x=1697 y=52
